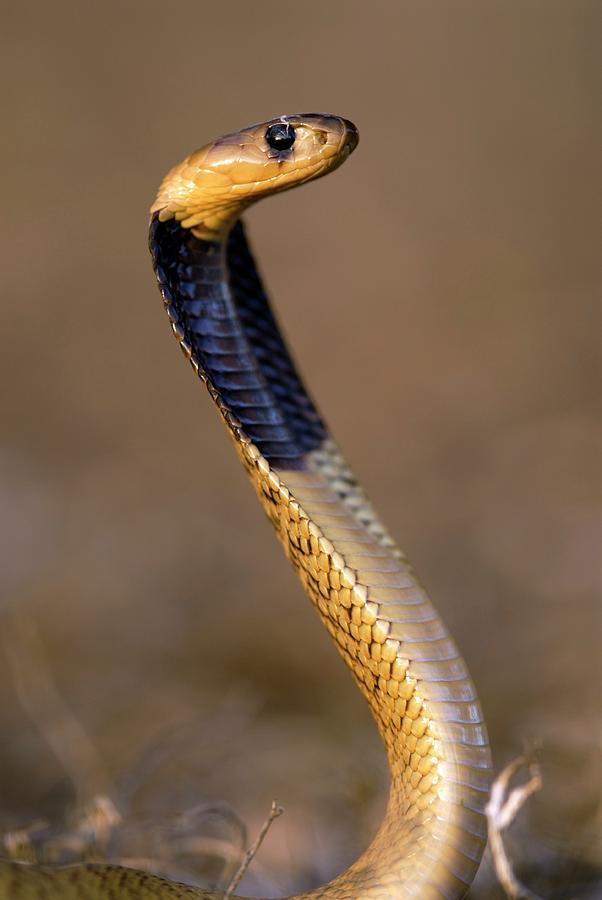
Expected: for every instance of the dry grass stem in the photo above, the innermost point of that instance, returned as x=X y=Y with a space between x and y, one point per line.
x=504 y=804
x=275 y=812
x=98 y=822
x=47 y=709
x=18 y=844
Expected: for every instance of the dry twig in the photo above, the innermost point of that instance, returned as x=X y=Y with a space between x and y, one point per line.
x=275 y=812
x=504 y=804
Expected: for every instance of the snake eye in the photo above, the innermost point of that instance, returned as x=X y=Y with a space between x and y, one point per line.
x=280 y=136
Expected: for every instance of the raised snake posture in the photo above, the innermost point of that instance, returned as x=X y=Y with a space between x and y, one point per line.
x=383 y=624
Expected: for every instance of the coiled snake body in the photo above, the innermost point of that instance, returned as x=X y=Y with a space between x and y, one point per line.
x=384 y=626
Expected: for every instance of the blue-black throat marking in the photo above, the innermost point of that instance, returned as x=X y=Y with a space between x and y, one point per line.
x=217 y=298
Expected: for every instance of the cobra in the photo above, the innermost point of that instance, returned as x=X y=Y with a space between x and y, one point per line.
x=404 y=661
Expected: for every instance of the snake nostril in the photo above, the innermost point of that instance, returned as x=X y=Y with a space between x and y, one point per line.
x=280 y=136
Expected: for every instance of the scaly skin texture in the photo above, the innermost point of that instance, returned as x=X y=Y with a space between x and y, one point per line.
x=366 y=594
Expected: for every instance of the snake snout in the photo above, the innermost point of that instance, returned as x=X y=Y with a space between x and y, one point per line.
x=351 y=136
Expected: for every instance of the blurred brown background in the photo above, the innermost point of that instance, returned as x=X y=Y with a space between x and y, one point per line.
x=441 y=293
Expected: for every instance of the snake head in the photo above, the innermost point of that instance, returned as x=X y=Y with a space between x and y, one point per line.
x=210 y=188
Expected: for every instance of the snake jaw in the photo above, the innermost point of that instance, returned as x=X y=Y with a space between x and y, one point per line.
x=209 y=190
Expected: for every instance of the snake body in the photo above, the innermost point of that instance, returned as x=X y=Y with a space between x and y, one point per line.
x=383 y=624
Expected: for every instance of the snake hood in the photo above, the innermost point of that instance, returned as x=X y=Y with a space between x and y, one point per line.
x=211 y=187
x=366 y=594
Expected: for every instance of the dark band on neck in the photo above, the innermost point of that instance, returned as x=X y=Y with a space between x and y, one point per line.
x=216 y=298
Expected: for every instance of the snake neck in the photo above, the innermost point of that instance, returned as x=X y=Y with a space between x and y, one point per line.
x=383 y=624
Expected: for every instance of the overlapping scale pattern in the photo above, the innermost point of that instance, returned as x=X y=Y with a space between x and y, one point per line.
x=384 y=625
x=381 y=620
